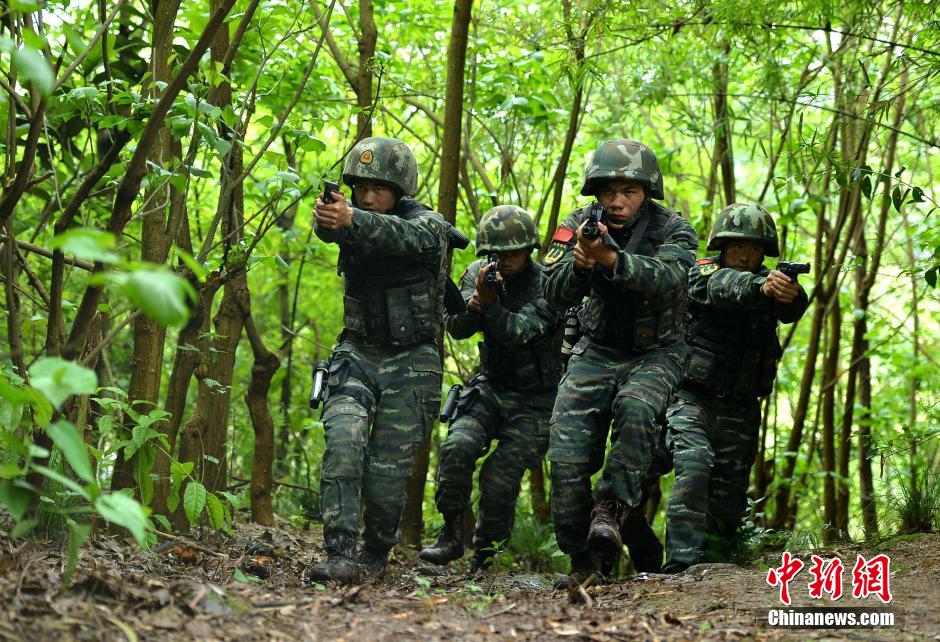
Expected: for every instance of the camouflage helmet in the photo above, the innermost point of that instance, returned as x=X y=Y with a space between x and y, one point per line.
x=748 y=222
x=385 y=160
x=626 y=159
x=506 y=228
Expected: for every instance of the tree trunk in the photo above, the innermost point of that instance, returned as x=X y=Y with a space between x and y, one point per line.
x=723 y=128
x=540 y=507
x=412 y=521
x=576 y=46
x=262 y=371
x=368 y=36
x=829 y=374
x=205 y=437
x=149 y=335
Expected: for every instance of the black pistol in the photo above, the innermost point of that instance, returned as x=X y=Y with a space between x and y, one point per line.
x=793 y=270
x=595 y=214
x=450 y=404
x=329 y=190
x=321 y=374
x=491 y=279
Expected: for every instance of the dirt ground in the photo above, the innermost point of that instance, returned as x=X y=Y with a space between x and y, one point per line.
x=249 y=587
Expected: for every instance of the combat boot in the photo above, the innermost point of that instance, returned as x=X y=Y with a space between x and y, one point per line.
x=373 y=563
x=604 y=535
x=646 y=551
x=339 y=565
x=582 y=567
x=480 y=561
x=449 y=545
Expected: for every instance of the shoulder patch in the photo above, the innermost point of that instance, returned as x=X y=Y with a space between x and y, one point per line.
x=708 y=268
x=555 y=251
x=704 y=261
x=563 y=235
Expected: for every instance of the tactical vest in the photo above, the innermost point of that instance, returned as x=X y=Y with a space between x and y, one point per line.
x=391 y=300
x=733 y=352
x=629 y=320
x=535 y=365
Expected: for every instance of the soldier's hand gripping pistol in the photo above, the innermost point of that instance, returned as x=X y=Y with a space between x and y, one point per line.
x=450 y=404
x=793 y=270
x=491 y=279
x=321 y=376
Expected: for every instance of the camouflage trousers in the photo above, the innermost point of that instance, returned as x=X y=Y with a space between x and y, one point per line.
x=713 y=444
x=380 y=407
x=602 y=385
x=486 y=412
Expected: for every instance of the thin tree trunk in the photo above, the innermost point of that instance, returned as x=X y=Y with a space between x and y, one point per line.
x=368 y=36
x=412 y=522
x=540 y=508
x=723 y=129
x=149 y=335
x=829 y=374
x=205 y=438
x=576 y=46
x=262 y=371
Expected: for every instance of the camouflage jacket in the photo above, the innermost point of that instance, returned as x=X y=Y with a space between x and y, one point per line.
x=393 y=266
x=732 y=334
x=521 y=332
x=640 y=304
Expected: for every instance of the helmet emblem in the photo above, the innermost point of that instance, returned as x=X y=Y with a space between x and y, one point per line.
x=366 y=157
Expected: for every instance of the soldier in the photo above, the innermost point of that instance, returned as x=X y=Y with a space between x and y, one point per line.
x=385 y=373
x=512 y=396
x=629 y=361
x=735 y=304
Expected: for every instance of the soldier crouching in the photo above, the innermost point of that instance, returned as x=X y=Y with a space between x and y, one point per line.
x=385 y=373
x=512 y=396
x=735 y=304
x=629 y=361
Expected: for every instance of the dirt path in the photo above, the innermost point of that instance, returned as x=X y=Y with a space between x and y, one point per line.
x=181 y=593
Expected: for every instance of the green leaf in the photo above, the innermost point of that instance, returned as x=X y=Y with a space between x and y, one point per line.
x=194 y=500
x=160 y=294
x=78 y=533
x=31 y=66
x=68 y=482
x=173 y=501
x=178 y=472
x=88 y=244
x=15 y=497
x=59 y=379
x=24 y=528
x=215 y=512
x=16 y=396
x=125 y=511
x=917 y=195
x=66 y=437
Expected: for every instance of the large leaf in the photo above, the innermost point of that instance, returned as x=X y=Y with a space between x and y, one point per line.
x=215 y=512
x=15 y=498
x=194 y=500
x=160 y=294
x=87 y=243
x=78 y=533
x=59 y=379
x=31 y=66
x=66 y=437
x=125 y=511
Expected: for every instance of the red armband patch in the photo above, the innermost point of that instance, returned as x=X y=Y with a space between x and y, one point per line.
x=704 y=262
x=563 y=235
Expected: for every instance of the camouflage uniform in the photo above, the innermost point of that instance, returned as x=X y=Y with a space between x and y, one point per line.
x=626 y=366
x=511 y=398
x=385 y=373
x=714 y=423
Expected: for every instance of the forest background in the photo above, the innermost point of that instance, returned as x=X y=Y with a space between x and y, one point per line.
x=166 y=301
